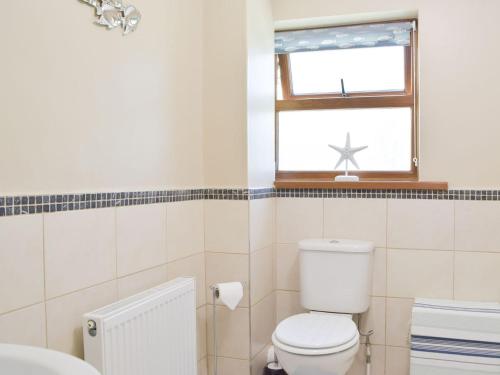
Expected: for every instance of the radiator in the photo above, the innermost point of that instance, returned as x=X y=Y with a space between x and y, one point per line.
x=455 y=338
x=151 y=333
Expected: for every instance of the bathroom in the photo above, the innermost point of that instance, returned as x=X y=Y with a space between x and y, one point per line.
x=131 y=160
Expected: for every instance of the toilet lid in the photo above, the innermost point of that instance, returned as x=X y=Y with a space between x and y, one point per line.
x=316 y=331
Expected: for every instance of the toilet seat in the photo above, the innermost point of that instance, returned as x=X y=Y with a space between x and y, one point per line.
x=316 y=334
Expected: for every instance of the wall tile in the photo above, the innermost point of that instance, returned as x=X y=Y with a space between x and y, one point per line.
x=287 y=267
x=64 y=316
x=420 y=224
x=24 y=327
x=203 y=366
x=378 y=361
x=419 y=273
x=21 y=262
x=374 y=319
x=358 y=219
x=229 y=366
x=141 y=281
x=287 y=304
x=298 y=219
x=379 y=286
x=233 y=332
x=476 y=225
x=259 y=362
x=261 y=274
x=201 y=334
x=193 y=266
x=398 y=312
x=221 y=268
x=226 y=226
x=397 y=361
x=262 y=323
x=185 y=231
x=80 y=250
x=477 y=276
x=261 y=223
x=141 y=237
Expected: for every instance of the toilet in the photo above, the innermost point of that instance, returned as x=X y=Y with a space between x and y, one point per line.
x=335 y=283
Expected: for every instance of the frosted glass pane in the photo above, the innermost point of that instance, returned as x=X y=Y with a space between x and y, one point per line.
x=363 y=70
x=304 y=137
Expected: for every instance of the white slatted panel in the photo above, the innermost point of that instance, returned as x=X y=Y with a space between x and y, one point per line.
x=153 y=334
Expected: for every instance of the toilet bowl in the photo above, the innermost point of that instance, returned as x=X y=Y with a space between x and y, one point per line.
x=316 y=343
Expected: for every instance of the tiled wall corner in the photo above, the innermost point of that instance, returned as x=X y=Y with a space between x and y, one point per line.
x=262 y=323
x=227 y=252
x=262 y=276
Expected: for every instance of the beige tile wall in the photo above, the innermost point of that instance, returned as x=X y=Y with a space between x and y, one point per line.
x=240 y=247
x=440 y=249
x=55 y=267
x=424 y=248
x=262 y=280
x=228 y=259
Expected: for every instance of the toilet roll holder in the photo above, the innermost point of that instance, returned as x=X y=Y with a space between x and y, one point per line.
x=215 y=289
x=215 y=295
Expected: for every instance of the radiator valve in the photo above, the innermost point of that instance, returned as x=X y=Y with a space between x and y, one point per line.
x=92 y=328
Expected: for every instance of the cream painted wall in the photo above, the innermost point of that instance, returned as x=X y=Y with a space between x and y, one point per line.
x=459 y=80
x=86 y=109
x=225 y=93
x=238 y=93
x=260 y=93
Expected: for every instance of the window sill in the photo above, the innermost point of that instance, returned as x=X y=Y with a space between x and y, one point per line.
x=368 y=185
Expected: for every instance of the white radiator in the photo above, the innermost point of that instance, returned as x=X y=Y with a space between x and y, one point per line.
x=455 y=338
x=151 y=333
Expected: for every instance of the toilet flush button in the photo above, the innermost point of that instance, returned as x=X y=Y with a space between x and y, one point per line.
x=334 y=241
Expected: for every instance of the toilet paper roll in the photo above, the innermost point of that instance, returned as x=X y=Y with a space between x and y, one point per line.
x=230 y=294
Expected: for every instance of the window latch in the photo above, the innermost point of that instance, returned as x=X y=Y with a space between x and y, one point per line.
x=344 y=94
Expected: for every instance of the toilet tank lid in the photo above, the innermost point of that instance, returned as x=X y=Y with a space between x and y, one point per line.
x=336 y=245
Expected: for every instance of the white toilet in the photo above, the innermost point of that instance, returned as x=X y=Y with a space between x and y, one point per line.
x=335 y=282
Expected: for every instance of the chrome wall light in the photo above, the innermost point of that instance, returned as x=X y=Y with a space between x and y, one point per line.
x=114 y=13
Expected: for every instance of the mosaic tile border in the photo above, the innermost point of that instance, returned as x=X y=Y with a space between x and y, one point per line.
x=457 y=194
x=262 y=193
x=36 y=204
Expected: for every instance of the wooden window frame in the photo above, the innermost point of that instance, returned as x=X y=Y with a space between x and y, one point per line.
x=407 y=98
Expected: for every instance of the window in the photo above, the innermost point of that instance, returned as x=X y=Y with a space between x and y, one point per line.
x=354 y=79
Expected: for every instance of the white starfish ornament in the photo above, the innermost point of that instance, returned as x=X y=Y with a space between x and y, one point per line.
x=347 y=154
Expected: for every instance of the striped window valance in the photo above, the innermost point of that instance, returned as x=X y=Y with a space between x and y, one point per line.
x=357 y=36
